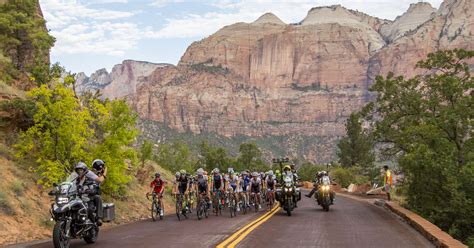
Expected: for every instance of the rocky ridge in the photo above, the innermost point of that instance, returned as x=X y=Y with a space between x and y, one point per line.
x=271 y=79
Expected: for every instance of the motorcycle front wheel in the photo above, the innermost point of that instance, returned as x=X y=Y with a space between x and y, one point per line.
x=59 y=239
x=91 y=238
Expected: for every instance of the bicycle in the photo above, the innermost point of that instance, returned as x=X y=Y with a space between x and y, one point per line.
x=244 y=202
x=232 y=204
x=253 y=200
x=202 y=206
x=270 y=199
x=180 y=202
x=217 y=203
x=156 y=209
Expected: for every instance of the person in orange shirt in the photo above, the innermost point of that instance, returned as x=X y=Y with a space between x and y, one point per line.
x=387 y=181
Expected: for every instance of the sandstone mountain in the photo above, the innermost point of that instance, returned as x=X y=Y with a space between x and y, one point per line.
x=290 y=86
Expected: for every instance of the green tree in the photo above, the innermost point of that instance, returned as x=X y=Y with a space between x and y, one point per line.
x=426 y=123
x=250 y=157
x=59 y=136
x=118 y=133
x=356 y=148
x=213 y=157
x=146 y=151
x=175 y=156
x=24 y=41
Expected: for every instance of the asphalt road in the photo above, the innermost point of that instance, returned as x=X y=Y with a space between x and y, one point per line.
x=349 y=223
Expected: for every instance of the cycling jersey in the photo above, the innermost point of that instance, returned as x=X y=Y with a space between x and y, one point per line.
x=255 y=185
x=270 y=183
x=182 y=184
x=201 y=185
x=233 y=182
x=246 y=183
x=157 y=185
x=217 y=179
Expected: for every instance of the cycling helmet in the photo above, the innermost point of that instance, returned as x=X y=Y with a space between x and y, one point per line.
x=98 y=165
x=81 y=166
x=157 y=174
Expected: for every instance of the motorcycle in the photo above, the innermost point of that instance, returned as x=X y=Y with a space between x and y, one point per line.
x=75 y=213
x=287 y=194
x=323 y=197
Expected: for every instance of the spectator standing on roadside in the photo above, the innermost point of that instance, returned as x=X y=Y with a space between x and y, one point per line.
x=387 y=181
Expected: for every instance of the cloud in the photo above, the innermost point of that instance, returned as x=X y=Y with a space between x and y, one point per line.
x=79 y=28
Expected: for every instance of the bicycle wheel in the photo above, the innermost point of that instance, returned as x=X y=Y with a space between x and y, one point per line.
x=154 y=215
x=178 y=207
x=199 y=210
x=231 y=206
x=161 y=209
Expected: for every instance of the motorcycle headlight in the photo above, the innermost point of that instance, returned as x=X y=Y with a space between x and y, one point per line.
x=290 y=189
x=286 y=189
x=62 y=200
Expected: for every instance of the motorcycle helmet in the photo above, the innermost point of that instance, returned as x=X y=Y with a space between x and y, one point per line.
x=287 y=168
x=157 y=174
x=270 y=173
x=215 y=171
x=200 y=170
x=255 y=174
x=98 y=165
x=182 y=172
x=81 y=169
x=178 y=174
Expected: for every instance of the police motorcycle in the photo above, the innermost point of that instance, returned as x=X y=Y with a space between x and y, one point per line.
x=287 y=192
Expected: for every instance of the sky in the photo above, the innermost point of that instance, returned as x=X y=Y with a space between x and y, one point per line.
x=95 y=34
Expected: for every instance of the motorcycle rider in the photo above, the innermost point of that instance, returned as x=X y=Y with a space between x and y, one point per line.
x=288 y=171
x=84 y=175
x=316 y=185
x=157 y=186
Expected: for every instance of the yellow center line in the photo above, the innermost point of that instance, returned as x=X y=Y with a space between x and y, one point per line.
x=237 y=237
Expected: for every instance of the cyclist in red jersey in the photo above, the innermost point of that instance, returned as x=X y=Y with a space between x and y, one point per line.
x=157 y=186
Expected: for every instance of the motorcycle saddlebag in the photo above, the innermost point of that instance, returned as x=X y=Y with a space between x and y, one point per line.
x=109 y=212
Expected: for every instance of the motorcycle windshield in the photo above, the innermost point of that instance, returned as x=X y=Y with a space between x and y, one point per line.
x=288 y=181
x=326 y=180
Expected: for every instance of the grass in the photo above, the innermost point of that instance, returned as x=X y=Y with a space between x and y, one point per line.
x=5 y=204
x=17 y=187
x=26 y=204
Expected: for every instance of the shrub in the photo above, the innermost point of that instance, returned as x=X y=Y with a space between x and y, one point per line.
x=5 y=205
x=17 y=187
x=342 y=176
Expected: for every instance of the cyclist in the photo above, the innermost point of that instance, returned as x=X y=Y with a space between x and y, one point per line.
x=217 y=183
x=270 y=183
x=157 y=186
x=181 y=185
x=245 y=181
x=255 y=187
x=233 y=184
x=202 y=187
